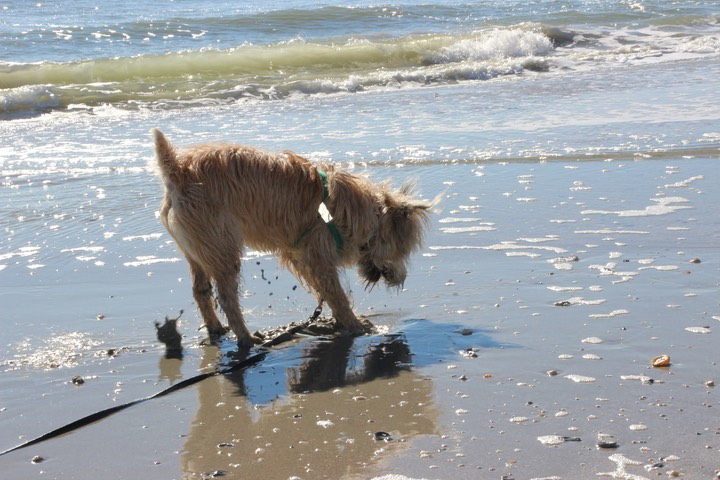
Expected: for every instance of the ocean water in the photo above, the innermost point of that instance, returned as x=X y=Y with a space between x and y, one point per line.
x=390 y=90
x=551 y=128
x=474 y=72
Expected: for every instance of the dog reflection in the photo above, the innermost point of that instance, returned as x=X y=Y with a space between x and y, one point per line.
x=312 y=418
x=333 y=363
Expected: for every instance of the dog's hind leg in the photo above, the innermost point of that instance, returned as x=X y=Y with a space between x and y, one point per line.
x=227 y=285
x=202 y=292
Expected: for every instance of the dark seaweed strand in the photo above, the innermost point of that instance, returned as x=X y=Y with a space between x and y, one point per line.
x=97 y=416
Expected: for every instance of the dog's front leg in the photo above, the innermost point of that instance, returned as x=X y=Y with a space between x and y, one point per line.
x=323 y=277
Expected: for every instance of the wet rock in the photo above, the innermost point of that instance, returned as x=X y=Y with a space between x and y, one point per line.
x=383 y=437
x=37 y=459
x=469 y=352
x=553 y=440
x=78 y=380
x=213 y=474
x=606 y=441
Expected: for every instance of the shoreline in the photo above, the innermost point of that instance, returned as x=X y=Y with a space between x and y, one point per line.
x=549 y=267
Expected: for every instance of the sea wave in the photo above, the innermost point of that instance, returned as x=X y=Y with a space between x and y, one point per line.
x=299 y=67
x=271 y=71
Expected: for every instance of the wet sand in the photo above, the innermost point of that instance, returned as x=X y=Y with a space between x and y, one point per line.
x=523 y=339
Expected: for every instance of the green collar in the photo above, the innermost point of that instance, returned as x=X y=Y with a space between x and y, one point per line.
x=326 y=190
x=330 y=223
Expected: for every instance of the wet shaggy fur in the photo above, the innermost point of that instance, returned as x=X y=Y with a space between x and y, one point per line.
x=221 y=197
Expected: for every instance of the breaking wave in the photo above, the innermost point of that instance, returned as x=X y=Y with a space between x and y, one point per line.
x=271 y=71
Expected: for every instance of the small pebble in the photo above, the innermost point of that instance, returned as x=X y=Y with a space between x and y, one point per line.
x=37 y=459
x=78 y=380
x=214 y=474
x=710 y=383
x=469 y=353
x=695 y=260
x=603 y=444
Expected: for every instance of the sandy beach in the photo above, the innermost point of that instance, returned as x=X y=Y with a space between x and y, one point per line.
x=520 y=348
x=574 y=146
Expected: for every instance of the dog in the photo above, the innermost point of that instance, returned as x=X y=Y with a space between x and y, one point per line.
x=220 y=198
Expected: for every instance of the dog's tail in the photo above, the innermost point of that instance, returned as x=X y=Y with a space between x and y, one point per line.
x=167 y=165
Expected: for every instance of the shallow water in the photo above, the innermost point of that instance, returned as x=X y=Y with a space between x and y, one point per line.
x=513 y=242
x=573 y=201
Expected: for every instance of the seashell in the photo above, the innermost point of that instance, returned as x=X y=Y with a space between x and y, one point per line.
x=661 y=361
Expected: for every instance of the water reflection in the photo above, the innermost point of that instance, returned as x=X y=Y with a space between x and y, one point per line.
x=342 y=361
x=313 y=409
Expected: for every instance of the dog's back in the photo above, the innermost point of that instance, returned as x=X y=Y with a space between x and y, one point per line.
x=271 y=197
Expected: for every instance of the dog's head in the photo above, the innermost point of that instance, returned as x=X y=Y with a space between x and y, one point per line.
x=401 y=224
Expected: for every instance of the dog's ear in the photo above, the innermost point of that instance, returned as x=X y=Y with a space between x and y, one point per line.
x=407 y=204
x=369 y=272
x=416 y=207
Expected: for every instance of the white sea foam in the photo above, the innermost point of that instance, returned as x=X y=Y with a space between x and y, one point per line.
x=474 y=228
x=580 y=378
x=663 y=206
x=149 y=260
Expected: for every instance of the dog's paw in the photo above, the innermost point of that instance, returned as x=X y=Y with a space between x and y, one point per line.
x=217 y=331
x=361 y=327
x=249 y=341
x=367 y=325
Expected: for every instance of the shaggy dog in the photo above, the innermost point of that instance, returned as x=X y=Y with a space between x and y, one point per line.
x=220 y=198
